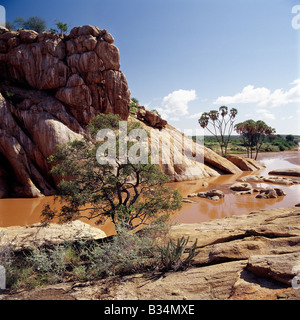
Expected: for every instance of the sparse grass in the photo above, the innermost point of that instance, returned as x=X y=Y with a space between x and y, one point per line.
x=128 y=252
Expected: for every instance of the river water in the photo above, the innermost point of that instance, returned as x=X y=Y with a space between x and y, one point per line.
x=27 y=211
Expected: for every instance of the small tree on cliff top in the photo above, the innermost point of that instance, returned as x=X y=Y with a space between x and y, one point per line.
x=130 y=194
x=221 y=123
x=32 y=23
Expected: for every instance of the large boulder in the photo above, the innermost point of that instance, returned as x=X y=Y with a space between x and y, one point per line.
x=38 y=235
x=286 y=172
x=241 y=186
x=245 y=164
x=270 y=193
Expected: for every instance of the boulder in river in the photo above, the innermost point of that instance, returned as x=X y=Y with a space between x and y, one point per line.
x=213 y=194
x=270 y=193
x=241 y=186
x=271 y=179
x=286 y=172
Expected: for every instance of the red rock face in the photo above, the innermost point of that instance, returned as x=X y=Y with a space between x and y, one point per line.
x=82 y=69
x=52 y=86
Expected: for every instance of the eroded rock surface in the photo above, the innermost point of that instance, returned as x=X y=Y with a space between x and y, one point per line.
x=22 y=238
x=252 y=256
x=82 y=69
x=270 y=179
x=245 y=164
x=286 y=172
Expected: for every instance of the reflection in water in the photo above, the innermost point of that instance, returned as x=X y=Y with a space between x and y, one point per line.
x=27 y=211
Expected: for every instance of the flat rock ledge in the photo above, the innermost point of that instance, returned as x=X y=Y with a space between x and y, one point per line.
x=251 y=256
x=295 y=172
x=22 y=238
x=270 y=179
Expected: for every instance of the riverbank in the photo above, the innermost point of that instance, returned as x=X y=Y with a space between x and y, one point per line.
x=247 y=257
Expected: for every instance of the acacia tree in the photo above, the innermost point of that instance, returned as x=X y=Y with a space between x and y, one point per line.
x=129 y=194
x=253 y=134
x=32 y=23
x=221 y=125
x=62 y=28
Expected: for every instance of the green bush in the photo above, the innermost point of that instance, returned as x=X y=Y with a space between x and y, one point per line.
x=172 y=255
x=125 y=253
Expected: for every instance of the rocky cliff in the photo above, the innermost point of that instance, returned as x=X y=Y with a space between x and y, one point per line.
x=51 y=86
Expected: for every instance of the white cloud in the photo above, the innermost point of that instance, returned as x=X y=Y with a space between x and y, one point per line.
x=263 y=96
x=265 y=114
x=195 y=115
x=287 y=118
x=176 y=103
x=174 y=119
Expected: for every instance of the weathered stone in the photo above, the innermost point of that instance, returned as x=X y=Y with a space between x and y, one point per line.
x=20 y=238
x=271 y=179
x=277 y=267
x=28 y=36
x=286 y=172
x=241 y=187
x=151 y=118
x=213 y=194
x=8 y=35
x=108 y=37
x=270 y=193
x=246 y=164
x=83 y=30
x=109 y=54
x=29 y=63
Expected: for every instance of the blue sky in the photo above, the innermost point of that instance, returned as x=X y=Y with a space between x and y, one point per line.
x=184 y=57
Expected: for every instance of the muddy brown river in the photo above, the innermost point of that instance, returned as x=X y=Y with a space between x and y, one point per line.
x=27 y=211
